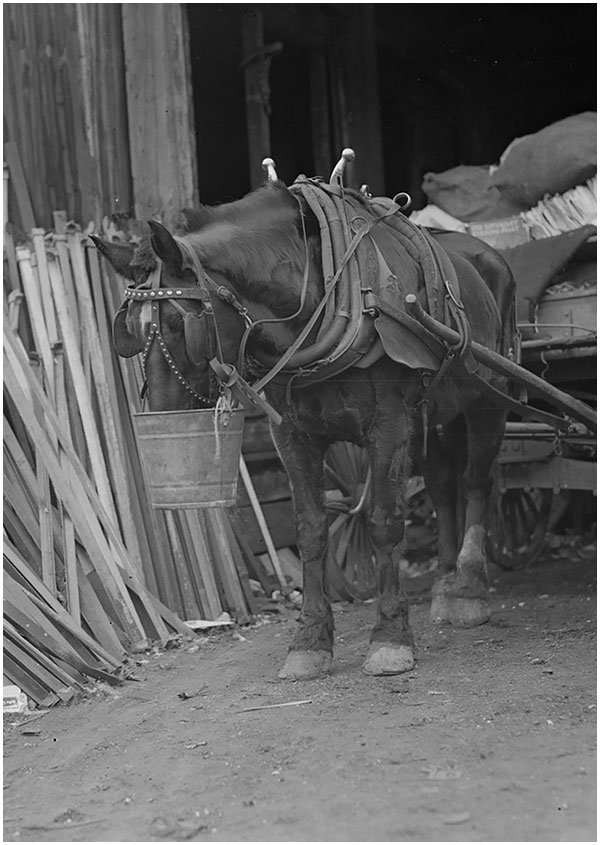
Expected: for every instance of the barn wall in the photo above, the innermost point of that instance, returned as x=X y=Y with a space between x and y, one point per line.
x=65 y=110
x=97 y=101
x=160 y=110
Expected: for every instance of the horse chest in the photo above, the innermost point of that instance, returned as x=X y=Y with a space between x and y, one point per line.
x=333 y=411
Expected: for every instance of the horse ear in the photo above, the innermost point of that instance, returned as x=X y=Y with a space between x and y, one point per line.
x=118 y=256
x=164 y=245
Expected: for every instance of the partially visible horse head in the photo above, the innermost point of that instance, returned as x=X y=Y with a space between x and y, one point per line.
x=254 y=251
x=175 y=337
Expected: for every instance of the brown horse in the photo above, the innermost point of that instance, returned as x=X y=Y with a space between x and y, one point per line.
x=258 y=262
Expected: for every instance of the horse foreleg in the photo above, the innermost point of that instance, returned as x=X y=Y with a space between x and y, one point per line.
x=311 y=651
x=461 y=597
x=391 y=642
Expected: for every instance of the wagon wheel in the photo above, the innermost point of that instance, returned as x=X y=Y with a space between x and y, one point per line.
x=351 y=570
x=517 y=524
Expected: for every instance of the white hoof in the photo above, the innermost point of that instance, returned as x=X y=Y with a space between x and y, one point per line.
x=388 y=659
x=306 y=665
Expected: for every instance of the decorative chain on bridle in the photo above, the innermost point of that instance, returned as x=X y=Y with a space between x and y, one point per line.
x=155 y=295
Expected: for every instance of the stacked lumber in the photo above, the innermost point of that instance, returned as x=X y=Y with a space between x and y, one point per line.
x=566 y=212
x=92 y=573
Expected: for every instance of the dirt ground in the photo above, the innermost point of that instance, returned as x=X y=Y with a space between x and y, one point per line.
x=490 y=738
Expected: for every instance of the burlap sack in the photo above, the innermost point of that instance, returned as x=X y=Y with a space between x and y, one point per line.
x=551 y=161
x=468 y=193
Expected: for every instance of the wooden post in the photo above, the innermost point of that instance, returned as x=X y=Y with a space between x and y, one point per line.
x=319 y=113
x=257 y=92
x=160 y=111
x=358 y=57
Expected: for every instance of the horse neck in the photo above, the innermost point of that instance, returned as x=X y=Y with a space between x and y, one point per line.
x=282 y=322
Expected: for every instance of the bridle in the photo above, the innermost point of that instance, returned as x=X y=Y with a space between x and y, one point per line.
x=199 y=293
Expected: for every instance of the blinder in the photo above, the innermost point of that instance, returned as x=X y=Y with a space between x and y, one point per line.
x=200 y=335
x=125 y=343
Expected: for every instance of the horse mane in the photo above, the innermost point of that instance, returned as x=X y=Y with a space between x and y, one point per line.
x=251 y=239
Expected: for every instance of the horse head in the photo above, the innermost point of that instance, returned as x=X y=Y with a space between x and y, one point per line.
x=245 y=269
x=171 y=319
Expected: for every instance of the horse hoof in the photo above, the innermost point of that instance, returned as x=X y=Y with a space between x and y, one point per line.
x=460 y=612
x=306 y=665
x=388 y=659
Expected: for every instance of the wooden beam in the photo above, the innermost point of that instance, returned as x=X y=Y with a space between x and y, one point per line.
x=159 y=107
x=358 y=57
x=256 y=79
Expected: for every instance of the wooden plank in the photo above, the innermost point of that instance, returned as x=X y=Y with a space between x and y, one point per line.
x=23 y=539
x=256 y=69
x=239 y=563
x=95 y=617
x=19 y=183
x=224 y=561
x=36 y=313
x=188 y=598
x=34 y=690
x=359 y=86
x=24 y=614
x=147 y=599
x=202 y=561
x=74 y=497
x=60 y=244
x=263 y=574
x=80 y=490
x=44 y=508
x=163 y=162
x=291 y=565
x=70 y=677
x=81 y=390
x=171 y=618
x=320 y=115
x=280 y=520
x=188 y=542
x=168 y=587
x=36 y=668
x=262 y=523
x=106 y=388
x=68 y=529
x=22 y=465
x=64 y=618
x=114 y=457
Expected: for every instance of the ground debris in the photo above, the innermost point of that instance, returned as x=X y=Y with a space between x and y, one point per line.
x=272 y=706
x=457 y=818
x=184 y=695
x=176 y=829
x=435 y=772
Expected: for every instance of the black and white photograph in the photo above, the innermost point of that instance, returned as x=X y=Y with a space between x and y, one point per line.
x=300 y=365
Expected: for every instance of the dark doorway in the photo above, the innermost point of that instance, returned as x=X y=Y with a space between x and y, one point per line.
x=455 y=84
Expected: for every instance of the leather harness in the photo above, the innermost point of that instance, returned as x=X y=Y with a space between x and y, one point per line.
x=346 y=317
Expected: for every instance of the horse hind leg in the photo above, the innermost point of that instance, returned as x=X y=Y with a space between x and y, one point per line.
x=442 y=467
x=461 y=597
x=391 y=641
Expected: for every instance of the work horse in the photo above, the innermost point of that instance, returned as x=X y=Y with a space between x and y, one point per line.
x=260 y=286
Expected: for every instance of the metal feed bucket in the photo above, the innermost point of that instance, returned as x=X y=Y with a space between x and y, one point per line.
x=190 y=458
